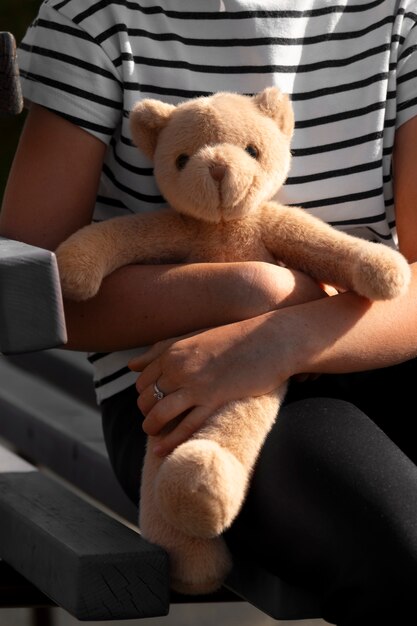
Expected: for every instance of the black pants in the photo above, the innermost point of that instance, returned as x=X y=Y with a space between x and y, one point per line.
x=333 y=499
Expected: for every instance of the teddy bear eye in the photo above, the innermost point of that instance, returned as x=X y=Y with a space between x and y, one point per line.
x=252 y=151
x=182 y=161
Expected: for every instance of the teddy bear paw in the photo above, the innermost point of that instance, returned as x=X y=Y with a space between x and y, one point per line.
x=381 y=273
x=200 y=488
x=201 y=567
x=79 y=275
x=75 y=287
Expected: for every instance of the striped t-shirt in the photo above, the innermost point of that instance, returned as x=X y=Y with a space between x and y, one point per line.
x=350 y=67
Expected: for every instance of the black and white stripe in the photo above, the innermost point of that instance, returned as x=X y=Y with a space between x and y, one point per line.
x=349 y=65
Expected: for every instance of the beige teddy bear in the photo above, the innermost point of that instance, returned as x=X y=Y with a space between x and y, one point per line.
x=218 y=161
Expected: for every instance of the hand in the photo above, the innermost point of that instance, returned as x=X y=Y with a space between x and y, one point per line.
x=201 y=372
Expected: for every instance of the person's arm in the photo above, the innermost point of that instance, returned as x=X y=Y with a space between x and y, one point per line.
x=51 y=193
x=344 y=333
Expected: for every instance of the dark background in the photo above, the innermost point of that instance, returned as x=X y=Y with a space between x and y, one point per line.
x=15 y=17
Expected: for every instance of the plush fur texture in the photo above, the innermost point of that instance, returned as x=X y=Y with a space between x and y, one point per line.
x=218 y=161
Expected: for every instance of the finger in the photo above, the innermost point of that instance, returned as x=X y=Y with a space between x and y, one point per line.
x=138 y=363
x=164 y=411
x=329 y=289
x=149 y=376
x=185 y=429
x=148 y=396
x=146 y=400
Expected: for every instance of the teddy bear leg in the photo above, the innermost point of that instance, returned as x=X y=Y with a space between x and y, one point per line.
x=197 y=566
x=201 y=485
x=200 y=488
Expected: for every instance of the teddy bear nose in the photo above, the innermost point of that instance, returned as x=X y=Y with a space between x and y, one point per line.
x=217 y=172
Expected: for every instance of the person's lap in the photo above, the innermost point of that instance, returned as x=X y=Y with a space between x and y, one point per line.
x=333 y=499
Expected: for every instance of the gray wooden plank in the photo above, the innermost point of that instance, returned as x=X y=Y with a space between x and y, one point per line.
x=31 y=308
x=17 y=592
x=79 y=557
x=58 y=431
x=87 y=562
x=66 y=370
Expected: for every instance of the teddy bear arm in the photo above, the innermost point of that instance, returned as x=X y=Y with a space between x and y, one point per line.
x=97 y=250
x=328 y=255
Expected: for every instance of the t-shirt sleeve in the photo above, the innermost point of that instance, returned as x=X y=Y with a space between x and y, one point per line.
x=407 y=70
x=64 y=68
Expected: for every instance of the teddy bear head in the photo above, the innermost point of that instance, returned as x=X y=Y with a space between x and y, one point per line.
x=217 y=158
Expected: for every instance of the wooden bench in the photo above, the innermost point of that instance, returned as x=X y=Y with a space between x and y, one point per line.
x=75 y=552
x=56 y=427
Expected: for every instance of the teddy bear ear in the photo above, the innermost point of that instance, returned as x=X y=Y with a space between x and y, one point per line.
x=277 y=105
x=147 y=119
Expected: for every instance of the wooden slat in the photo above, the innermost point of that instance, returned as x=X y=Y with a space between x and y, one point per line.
x=58 y=431
x=17 y=592
x=31 y=309
x=65 y=370
x=87 y=562
x=11 y=100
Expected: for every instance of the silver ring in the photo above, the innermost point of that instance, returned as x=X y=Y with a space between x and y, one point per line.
x=158 y=393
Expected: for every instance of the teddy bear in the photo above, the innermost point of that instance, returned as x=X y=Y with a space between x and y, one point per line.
x=219 y=160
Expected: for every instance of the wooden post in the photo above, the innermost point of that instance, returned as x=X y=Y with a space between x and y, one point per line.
x=11 y=100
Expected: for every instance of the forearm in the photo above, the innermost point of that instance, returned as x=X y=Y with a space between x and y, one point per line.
x=139 y=305
x=347 y=333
